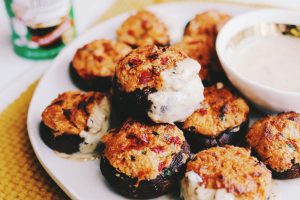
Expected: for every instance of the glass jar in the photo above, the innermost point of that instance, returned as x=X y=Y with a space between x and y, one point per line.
x=40 y=28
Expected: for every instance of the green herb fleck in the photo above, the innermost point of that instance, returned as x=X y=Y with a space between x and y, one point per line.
x=168 y=172
x=144 y=152
x=291 y=146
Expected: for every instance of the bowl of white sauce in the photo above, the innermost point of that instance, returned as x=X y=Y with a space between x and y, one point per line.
x=260 y=53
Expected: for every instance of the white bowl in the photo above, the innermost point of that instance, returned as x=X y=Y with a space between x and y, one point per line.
x=264 y=97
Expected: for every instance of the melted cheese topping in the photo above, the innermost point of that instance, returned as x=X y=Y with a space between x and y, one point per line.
x=191 y=190
x=180 y=95
x=97 y=124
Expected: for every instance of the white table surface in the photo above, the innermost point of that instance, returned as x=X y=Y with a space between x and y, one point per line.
x=17 y=73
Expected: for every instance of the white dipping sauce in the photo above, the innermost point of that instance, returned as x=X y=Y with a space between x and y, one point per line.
x=271 y=60
x=181 y=94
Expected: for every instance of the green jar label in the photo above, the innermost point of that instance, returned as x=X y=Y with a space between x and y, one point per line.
x=40 y=28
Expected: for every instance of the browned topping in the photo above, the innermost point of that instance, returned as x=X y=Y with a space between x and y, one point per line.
x=141 y=68
x=233 y=169
x=276 y=139
x=153 y=148
x=208 y=23
x=200 y=48
x=99 y=58
x=199 y=42
x=221 y=110
x=143 y=28
x=69 y=112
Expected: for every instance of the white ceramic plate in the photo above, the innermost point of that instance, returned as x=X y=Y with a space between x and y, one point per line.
x=83 y=180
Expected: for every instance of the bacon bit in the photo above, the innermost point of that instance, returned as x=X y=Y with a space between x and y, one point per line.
x=123 y=161
x=144 y=138
x=99 y=58
x=164 y=60
x=141 y=174
x=138 y=141
x=161 y=166
x=175 y=140
x=132 y=146
x=107 y=47
x=145 y=77
x=130 y=32
x=157 y=149
x=145 y=24
x=134 y=62
x=202 y=111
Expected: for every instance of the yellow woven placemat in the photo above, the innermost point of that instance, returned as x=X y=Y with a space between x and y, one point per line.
x=21 y=174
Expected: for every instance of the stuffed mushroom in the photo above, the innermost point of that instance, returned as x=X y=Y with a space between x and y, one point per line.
x=93 y=65
x=222 y=119
x=158 y=83
x=143 y=160
x=75 y=121
x=276 y=141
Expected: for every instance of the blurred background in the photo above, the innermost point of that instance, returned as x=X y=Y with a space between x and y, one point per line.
x=17 y=73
